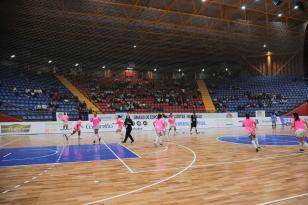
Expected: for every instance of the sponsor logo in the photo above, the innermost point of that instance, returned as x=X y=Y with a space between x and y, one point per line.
x=15 y=128
x=180 y=116
x=137 y=128
x=182 y=124
x=144 y=117
x=138 y=123
x=106 y=126
x=145 y=123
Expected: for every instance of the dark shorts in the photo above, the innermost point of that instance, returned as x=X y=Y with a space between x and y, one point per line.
x=193 y=124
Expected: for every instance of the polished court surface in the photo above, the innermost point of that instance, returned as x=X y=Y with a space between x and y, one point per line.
x=217 y=166
x=63 y=154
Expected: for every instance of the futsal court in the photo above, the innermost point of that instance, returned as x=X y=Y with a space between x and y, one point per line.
x=217 y=166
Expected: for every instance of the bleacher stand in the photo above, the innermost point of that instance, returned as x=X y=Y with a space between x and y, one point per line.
x=273 y=94
x=34 y=97
x=141 y=96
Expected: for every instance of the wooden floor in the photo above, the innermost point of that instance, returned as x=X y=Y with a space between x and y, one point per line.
x=191 y=169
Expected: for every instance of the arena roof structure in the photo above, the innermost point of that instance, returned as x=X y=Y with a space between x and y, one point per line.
x=153 y=33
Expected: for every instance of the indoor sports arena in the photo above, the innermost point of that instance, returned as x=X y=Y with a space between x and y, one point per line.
x=154 y=102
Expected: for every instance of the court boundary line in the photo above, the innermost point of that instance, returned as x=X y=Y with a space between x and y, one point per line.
x=153 y=184
x=284 y=199
x=129 y=169
x=130 y=150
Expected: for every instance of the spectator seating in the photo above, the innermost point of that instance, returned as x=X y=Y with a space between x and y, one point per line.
x=141 y=96
x=28 y=95
x=272 y=94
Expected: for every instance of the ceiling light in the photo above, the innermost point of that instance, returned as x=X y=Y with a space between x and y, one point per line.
x=203 y=70
x=135 y=46
x=13 y=56
x=264 y=46
x=279 y=15
x=76 y=64
x=104 y=67
x=243 y=7
x=50 y=61
x=155 y=69
x=180 y=70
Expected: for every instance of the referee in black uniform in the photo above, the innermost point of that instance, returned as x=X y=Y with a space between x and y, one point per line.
x=193 y=123
x=128 y=124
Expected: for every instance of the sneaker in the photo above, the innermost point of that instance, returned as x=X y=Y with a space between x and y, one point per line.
x=65 y=136
x=301 y=150
x=99 y=140
x=94 y=142
x=123 y=142
x=132 y=141
x=257 y=150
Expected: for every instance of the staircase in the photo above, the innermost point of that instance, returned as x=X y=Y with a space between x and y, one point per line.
x=206 y=98
x=77 y=93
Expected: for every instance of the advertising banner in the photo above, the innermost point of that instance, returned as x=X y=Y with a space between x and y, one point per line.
x=142 y=122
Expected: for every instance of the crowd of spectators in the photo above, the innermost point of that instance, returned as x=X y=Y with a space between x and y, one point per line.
x=127 y=95
x=261 y=100
x=54 y=94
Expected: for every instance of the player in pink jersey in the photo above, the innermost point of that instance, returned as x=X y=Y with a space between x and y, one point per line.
x=65 y=118
x=299 y=128
x=120 y=129
x=96 y=123
x=77 y=128
x=171 y=122
x=250 y=127
x=159 y=124
x=164 y=125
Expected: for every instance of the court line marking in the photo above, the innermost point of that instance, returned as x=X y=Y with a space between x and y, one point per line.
x=283 y=199
x=222 y=163
x=7 y=155
x=217 y=138
x=3 y=145
x=40 y=174
x=130 y=150
x=153 y=184
x=8 y=160
x=162 y=150
x=129 y=169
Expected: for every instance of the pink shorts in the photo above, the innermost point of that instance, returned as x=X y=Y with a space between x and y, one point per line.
x=158 y=130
